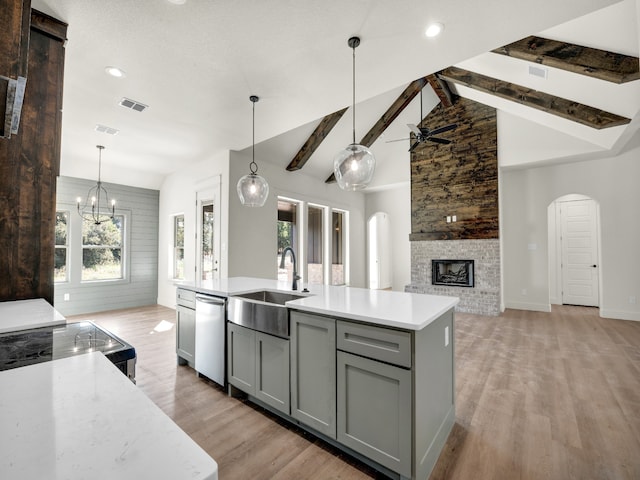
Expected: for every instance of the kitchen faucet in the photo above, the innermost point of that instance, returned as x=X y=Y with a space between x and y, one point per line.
x=295 y=266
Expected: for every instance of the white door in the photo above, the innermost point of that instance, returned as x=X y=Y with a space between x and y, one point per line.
x=579 y=253
x=379 y=251
x=208 y=235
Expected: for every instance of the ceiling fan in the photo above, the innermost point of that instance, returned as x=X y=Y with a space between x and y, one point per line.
x=423 y=134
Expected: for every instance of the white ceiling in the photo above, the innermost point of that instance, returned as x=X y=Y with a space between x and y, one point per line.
x=196 y=64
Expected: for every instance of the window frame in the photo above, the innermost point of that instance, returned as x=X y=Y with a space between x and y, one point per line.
x=124 y=252
x=65 y=246
x=176 y=247
x=302 y=237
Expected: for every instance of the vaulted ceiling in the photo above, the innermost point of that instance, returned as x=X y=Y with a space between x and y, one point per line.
x=196 y=64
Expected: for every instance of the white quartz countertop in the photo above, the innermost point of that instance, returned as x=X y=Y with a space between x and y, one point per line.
x=25 y=314
x=80 y=418
x=411 y=311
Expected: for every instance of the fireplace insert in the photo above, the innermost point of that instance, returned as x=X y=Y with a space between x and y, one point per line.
x=457 y=273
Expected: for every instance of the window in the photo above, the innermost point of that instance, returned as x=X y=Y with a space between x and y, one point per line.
x=61 y=271
x=315 y=234
x=287 y=236
x=178 y=247
x=102 y=250
x=319 y=237
x=338 y=222
x=206 y=247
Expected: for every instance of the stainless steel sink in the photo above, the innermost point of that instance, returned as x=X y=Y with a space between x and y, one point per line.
x=262 y=310
x=267 y=296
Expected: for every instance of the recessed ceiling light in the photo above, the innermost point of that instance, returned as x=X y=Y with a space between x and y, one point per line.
x=178 y=2
x=434 y=29
x=115 y=72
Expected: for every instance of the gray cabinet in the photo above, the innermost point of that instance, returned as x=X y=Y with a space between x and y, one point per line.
x=374 y=410
x=313 y=371
x=272 y=371
x=185 y=326
x=241 y=358
x=258 y=364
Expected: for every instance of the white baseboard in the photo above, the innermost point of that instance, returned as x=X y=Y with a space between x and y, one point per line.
x=536 y=307
x=620 y=315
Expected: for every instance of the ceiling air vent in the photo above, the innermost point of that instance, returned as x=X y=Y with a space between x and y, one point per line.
x=107 y=130
x=537 y=71
x=133 y=105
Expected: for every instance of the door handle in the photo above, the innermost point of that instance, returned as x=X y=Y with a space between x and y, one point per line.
x=594 y=266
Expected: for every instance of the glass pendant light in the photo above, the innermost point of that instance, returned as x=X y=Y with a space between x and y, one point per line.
x=353 y=167
x=253 y=190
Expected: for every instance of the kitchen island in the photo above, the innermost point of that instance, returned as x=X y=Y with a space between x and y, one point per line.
x=80 y=417
x=23 y=314
x=371 y=372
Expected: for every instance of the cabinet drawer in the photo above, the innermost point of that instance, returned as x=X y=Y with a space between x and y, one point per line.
x=186 y=298
x=386 y=345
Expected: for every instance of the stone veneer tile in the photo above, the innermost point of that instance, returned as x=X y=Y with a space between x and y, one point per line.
x=484 y=297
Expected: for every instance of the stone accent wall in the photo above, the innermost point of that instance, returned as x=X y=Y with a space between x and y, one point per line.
x=484 y=297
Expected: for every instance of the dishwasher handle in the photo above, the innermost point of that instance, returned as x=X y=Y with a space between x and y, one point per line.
x=210 y=300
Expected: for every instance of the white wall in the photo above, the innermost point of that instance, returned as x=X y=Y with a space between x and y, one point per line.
x=396 y=203
x=252 y=231
x=178 y=195
x=526 y=194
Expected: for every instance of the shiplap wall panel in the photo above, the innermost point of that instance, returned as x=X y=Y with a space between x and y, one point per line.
x=141 y=285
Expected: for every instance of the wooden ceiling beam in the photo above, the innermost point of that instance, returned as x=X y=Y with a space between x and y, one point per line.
x=390 y=115
x=601 y=64
x=315 y=139
x=574 y=111
x=446 y=96
x=393 y=111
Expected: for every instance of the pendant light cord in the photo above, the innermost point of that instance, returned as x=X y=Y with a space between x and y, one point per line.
x=253 y=166
x=354 y=93
x=100 y=147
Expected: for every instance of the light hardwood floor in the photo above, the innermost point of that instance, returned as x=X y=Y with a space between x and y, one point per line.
x=539 y=396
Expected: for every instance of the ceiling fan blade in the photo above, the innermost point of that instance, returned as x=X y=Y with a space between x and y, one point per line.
x=444 y=141
x=446 y=128
x=414 y=129
x=397 y=140
x=414 y=146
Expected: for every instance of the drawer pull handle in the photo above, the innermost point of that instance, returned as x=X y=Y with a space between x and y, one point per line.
x=373 y=342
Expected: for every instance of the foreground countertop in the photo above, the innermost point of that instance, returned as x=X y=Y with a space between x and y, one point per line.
x=80 y=417
x=410 y=311
x=24 y=314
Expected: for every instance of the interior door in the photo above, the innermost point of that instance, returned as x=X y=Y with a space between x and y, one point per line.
x=379 y=251
x=208 y=235
x=579 y=253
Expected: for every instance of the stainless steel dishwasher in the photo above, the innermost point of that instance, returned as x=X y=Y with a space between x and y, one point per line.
x=210 y=337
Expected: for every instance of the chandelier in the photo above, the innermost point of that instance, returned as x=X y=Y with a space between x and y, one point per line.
x=97 y=208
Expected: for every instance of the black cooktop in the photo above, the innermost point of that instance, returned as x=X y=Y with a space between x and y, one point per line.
x=27 y=347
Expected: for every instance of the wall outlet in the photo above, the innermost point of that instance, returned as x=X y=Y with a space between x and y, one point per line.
x=66 y=297
x=454 y=218
x=446 y=336
x=632 y=300
x=448 y=218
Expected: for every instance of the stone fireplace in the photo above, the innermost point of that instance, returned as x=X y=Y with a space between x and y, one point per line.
x=454 y=208
x=483 y=295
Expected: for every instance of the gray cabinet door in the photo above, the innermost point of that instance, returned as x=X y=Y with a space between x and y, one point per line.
x=374 y=411
x=241 y=358
x=313 y=371
x=272 y=371
x=186 y=333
